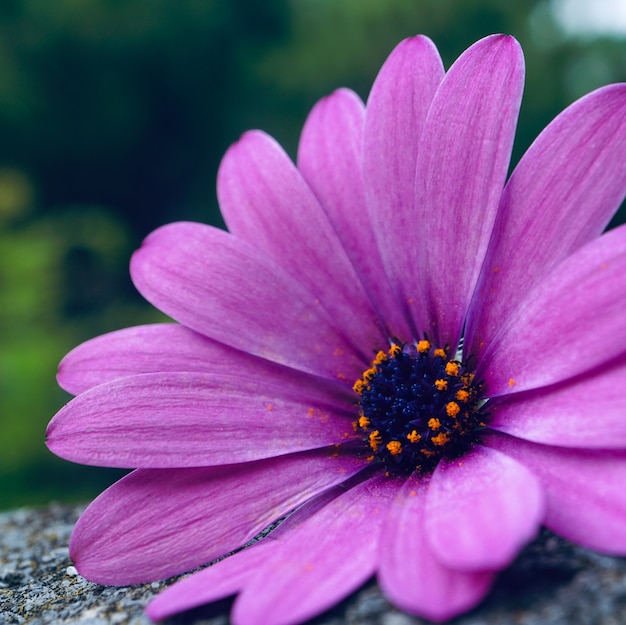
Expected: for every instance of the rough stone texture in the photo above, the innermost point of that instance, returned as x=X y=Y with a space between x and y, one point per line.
x=551 y=583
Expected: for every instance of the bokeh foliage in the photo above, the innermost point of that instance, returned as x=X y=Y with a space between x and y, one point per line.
x=113 y=117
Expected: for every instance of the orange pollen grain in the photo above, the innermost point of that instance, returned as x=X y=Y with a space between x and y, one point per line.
x=452 y=409
x=394 y=350
x=441 y=439
x=452 y=368
x=368 y=374
x=394 y=447
x=440 y=352
x=423 y=346
x=462 y=395
x=363 y=421
x=414 y=437
x=441 y=385
x=434 y=423
x=380 y=358
x=375 y=440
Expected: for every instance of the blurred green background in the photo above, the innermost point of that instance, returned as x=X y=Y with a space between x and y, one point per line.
x=114 y=115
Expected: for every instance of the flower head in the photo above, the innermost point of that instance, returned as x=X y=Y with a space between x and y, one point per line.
x=417 y=361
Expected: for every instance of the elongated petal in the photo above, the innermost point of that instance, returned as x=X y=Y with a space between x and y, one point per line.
x=585 y=494
x=169 y=347
x=587 y=411
x=571 y=322
x=411 y=576
x=395 y=115
x=321 y=562
x=265 y=201
x=462 y=164
x=232 y=574
x=481 y=509
x=330 y=159
x=153 y=524
x=561 y=195
x=223 y=288
x=153 y=348
x=223 y=579
x=161 y=420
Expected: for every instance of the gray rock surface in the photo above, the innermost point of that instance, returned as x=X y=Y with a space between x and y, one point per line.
x=551 y=583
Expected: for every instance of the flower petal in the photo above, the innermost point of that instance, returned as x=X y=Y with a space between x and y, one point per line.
x=586 y=412
x=327 y=557
x=152 y=348
x=266 y=202
x=462 y=164
x=231 y=574
x=222 y=579
x=585 y=495
x=223 y=288
x=329 y=157
x=410 y=575
x=161 y=420
x=571 y=322
x=396 y=110
x=170 y=347
x=153 y=524
x=481 y=509
x=561 y=195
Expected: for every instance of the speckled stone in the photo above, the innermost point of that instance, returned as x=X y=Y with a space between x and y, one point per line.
x=551 y=583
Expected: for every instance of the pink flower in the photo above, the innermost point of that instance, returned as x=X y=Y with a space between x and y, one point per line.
x=314 y=366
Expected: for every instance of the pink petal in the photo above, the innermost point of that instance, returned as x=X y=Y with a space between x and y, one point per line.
x=562 y=194
x=169 y=347
x=329 y=157
x=154 y=524
x=162 y=420
x=481 y=510
x=462 y=165
x=223 y=288
x=410 y=574
x=571 y=322
x=587 y=411
x=321 y=562
x=585 y=495
x=266 y=202
x=223 y=579
x=395 y=115
x=232 y=574
x=144 y=349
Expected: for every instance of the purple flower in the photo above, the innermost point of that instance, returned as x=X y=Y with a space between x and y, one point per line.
x=425 y=363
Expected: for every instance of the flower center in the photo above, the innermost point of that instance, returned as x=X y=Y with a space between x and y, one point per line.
x=418 y=405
